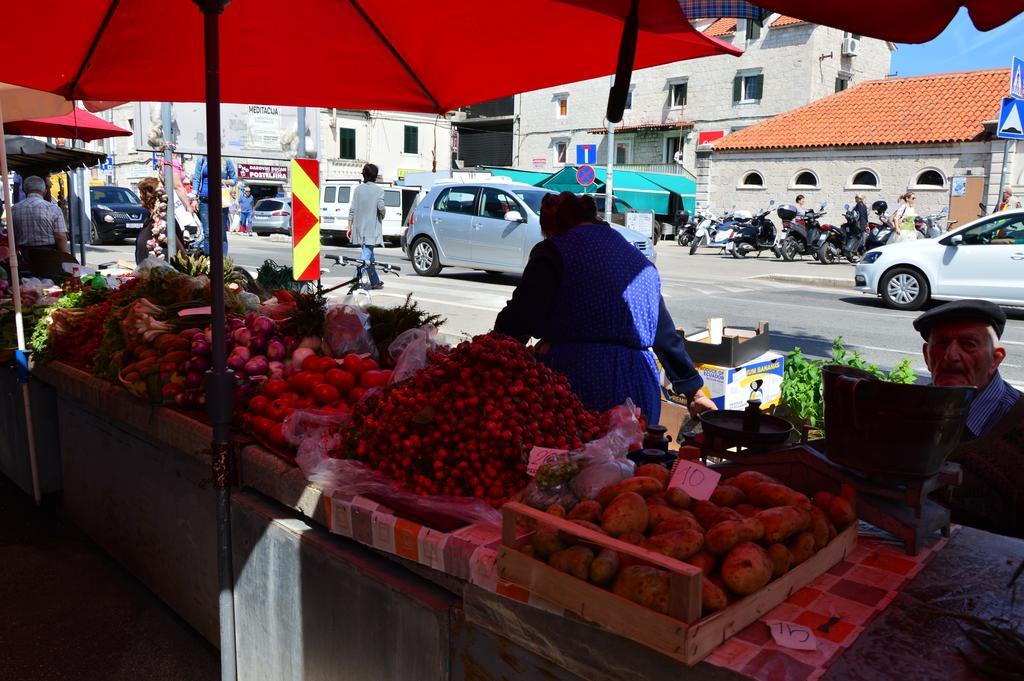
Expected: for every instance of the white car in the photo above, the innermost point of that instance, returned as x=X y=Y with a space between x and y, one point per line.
x=983 y=259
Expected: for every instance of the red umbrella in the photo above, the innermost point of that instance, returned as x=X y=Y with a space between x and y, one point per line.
x=79 y=125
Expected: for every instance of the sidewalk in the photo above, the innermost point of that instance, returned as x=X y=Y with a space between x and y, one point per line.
x=69 y=613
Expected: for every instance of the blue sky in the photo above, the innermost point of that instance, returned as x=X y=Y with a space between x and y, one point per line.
x=962 y=47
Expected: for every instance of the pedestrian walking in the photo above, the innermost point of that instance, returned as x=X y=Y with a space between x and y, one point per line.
x=1009 y=201
x=365 y=217
x=200 y=198
x=245 y=202
x=902 y=219
x=235 y=220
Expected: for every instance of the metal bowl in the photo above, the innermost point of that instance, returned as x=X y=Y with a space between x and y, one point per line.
x=728 y=426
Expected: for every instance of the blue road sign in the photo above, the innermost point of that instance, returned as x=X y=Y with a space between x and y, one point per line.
x=1017 y=78
x=585 y=175
x=1011 y=119
x=586 y=154
x=107 y=163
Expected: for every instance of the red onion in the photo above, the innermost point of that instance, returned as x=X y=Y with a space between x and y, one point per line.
x=243 y=352
x=199 y=363
x=241 y=336
x=299 y=355
x=200 y=348
x=310 y=342
x=275 y=350
x=193 y=380
x=257 y=366
x=276 y=369
x=235 y=323
x=264 y=325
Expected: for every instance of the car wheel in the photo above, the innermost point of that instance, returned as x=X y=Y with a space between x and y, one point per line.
x=424 y=257
x=656 y=234
x=95 y=235
x=905 y=289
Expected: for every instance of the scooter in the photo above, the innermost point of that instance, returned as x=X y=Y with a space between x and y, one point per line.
x=845 y=240
x=712 y=231
x=688 y=226
x=759 y=234
x=800 y=232
x=880 y=233
x=929 y=226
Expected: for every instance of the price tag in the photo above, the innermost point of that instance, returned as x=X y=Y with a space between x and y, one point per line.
x=195 y=311
x=795 y=636
x=539 y=455
x=695 y=479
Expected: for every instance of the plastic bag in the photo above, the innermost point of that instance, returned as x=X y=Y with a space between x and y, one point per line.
x=604 y=460
x=409 y=351
x=316 y=433
x=153 y=263
x=347 y=330
x=551 y=484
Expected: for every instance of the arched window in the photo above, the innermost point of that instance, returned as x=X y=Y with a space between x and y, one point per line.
x=865 y=178
x=930 y=178
x=805 y=178
x=753 y=179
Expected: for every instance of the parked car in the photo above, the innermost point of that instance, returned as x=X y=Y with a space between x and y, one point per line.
x=486 y=226
x=272 y=216
x=982 y=259
x=117 y=214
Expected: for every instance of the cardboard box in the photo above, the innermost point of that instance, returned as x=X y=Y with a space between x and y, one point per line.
x=739 y=345
x=731 y=387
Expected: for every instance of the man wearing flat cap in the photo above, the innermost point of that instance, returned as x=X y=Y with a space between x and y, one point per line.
x=962 y=348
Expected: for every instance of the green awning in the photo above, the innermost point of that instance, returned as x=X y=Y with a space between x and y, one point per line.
x=680 y=184
x=534 y=177
x=630 y=186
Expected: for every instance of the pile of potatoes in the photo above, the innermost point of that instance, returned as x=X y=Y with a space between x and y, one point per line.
x=752 y=530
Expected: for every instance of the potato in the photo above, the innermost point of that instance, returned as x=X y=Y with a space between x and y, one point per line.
x=642 y=486
x=710 y=514
x=556 y=510
x=658 y=499
x=636 y=539
x=747 y=568
x=770 y=494
x=727 y=495
x=631 y=538
x=703 y=560
x=782 y=522
x=657 y=514
x=656 y=471
x=679 y=545
x=746 y=480
x=683 y=522
x=545 y=541
x=821 y=500
x=819 y=527
x=746 y=510
x=574 y=560
x=645 y=585
x=832 y=532
x=841 y=513
x=781 y=559
x=712 y=597
x=604 y=567
x=678 y=498
x=722 y=537
x=586 y=510
x=801 y=547
x=626 y=513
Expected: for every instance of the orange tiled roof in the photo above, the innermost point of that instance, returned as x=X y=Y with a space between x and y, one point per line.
x=945 y=107
x=786 y=21
x=721 y=27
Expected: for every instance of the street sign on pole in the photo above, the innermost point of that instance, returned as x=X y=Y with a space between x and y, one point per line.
x=586 y=154
x=1017 y=78
x=1011 y=119
x=585 y=175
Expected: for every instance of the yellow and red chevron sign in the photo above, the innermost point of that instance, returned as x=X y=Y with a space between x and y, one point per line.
x=305 y=219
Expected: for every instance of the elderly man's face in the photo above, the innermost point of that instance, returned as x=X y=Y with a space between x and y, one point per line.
x=962 y=353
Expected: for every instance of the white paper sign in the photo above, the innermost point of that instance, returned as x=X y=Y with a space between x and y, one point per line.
x=695 y=479
x=539 y=455
x=795 y=636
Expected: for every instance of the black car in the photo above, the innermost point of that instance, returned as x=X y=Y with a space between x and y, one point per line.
x=117 y=214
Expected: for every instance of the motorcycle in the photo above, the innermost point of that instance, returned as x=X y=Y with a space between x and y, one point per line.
x=799 y=232
x=844 y=240
x=929 y=226
x=879 y=233
x=687 y=226
x=758 y=234
x=712 y=231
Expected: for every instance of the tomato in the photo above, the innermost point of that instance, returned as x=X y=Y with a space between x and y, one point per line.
x=355 y=394
x=341 y=379
x=277 y=410
x=170 y=389
x=276 y=435
x=325 y=393
x=325 y=364
x=373 y=378
x=262 y=425
x=304 y=381
x=369 y=365
x=258 y=404
x=311 y=363
x=274 y=388
x=352 y=364
x=289 y=398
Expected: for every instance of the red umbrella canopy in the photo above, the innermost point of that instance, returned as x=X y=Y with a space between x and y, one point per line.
x=365 y=54
x=79 y=125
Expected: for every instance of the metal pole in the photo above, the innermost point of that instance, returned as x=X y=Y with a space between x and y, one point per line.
x=1002 y=173
x=84 y=217
x=302 y=132
x=220 y=384
x=610 y=171
x=172 y=236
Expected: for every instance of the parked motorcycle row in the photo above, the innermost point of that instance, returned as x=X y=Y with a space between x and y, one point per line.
x=800 y=232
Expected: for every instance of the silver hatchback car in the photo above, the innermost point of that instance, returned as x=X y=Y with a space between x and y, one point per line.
x=272 y=216
x=488 y=226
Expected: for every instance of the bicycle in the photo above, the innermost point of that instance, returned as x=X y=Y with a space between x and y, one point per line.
x=361 y=280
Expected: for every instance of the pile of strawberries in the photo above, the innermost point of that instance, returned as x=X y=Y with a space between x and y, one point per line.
x=466 y=423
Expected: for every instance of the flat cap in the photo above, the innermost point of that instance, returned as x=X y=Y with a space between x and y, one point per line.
x=962 y=310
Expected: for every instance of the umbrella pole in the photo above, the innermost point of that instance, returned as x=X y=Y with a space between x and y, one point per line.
x=19 y=324
x=220 y=383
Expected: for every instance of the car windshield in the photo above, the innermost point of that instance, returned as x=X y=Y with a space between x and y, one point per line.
x=113 y=195
x=270 y=204
x=532 y=198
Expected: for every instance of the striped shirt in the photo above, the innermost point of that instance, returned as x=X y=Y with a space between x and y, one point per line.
x=990 y=405
x=36 y=220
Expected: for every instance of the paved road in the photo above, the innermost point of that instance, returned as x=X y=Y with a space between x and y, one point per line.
x=695 y=288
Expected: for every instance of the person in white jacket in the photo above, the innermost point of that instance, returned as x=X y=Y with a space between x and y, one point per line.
x=365 y=215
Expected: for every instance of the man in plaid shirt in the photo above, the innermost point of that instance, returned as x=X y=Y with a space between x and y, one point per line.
x=39 y=223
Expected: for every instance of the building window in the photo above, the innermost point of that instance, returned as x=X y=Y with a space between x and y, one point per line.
x=673 y=146
x=131 y=124
x=805 y=179
x=864 y=178
x=747 y=87
x=561 y=106
x=412 y=140
x=347 y=142
x=842 y=82
x=677 y=95
x=629 y=99
x=929 y=179
x=622 y=150
x=753 y=180
x=560 y=149
x=753 y=30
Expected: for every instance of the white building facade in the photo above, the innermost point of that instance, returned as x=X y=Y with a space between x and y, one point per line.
x=675 y=107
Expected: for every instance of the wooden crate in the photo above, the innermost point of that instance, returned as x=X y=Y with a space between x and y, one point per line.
x=682 y=634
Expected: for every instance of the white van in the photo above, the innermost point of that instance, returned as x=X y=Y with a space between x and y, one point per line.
x=336 y=199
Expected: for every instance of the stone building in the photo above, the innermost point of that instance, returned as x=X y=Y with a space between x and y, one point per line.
x=881 y=138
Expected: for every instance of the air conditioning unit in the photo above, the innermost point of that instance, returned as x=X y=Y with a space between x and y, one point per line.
x=851 y=47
